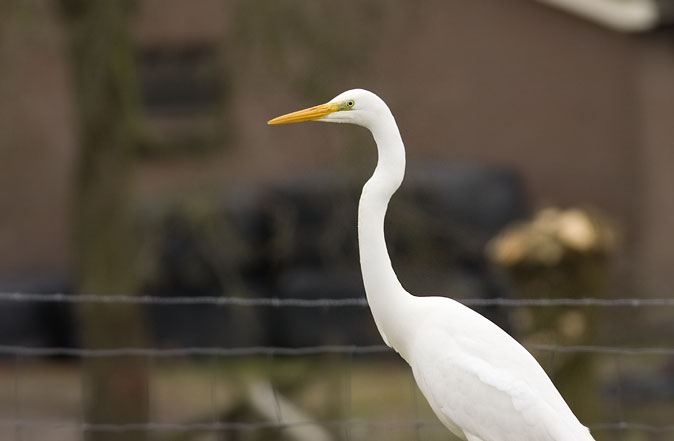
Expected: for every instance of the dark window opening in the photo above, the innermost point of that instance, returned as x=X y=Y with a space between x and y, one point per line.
x=181 y=90
x=179 y=78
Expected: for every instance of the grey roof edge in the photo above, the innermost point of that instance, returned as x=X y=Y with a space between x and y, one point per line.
x=629 y=16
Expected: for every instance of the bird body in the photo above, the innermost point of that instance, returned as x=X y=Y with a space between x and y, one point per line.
x=480 y=382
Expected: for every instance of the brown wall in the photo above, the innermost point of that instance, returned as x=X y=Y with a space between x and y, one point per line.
x=581 y=112
x=655 y=201
x=36 y=141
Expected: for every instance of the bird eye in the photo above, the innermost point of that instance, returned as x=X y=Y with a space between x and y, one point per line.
x=350 y=103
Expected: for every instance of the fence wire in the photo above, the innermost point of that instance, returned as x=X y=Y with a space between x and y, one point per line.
x=230 y=426
x=307 y=350
x=19 y=423
x=310 y=303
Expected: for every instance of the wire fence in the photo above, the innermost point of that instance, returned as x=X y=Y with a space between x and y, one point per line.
x=311 y=303
x=16 y=422
x=245 y=426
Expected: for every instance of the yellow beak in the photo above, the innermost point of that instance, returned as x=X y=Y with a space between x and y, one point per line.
x=309 y=114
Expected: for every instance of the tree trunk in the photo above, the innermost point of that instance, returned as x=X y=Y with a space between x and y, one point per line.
x=104 y=87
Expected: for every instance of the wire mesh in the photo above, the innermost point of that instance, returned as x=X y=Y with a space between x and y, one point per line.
x=17 y=419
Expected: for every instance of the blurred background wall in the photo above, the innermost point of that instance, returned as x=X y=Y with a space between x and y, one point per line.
x=506 y=108
x=582 y=113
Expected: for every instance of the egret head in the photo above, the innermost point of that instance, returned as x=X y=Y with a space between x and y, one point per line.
x=355 y=106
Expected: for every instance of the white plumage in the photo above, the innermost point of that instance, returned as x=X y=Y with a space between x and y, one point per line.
x=480 y=382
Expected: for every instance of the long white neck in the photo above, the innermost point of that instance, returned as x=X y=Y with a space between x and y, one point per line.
x=387 y=298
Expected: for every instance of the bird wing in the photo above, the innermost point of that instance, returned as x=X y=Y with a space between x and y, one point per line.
x=480 y=400
x=490 y=397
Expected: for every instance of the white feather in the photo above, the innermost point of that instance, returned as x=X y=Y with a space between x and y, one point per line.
x=481 y=383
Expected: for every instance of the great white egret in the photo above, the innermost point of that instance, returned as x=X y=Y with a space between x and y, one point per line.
x=481 y=383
